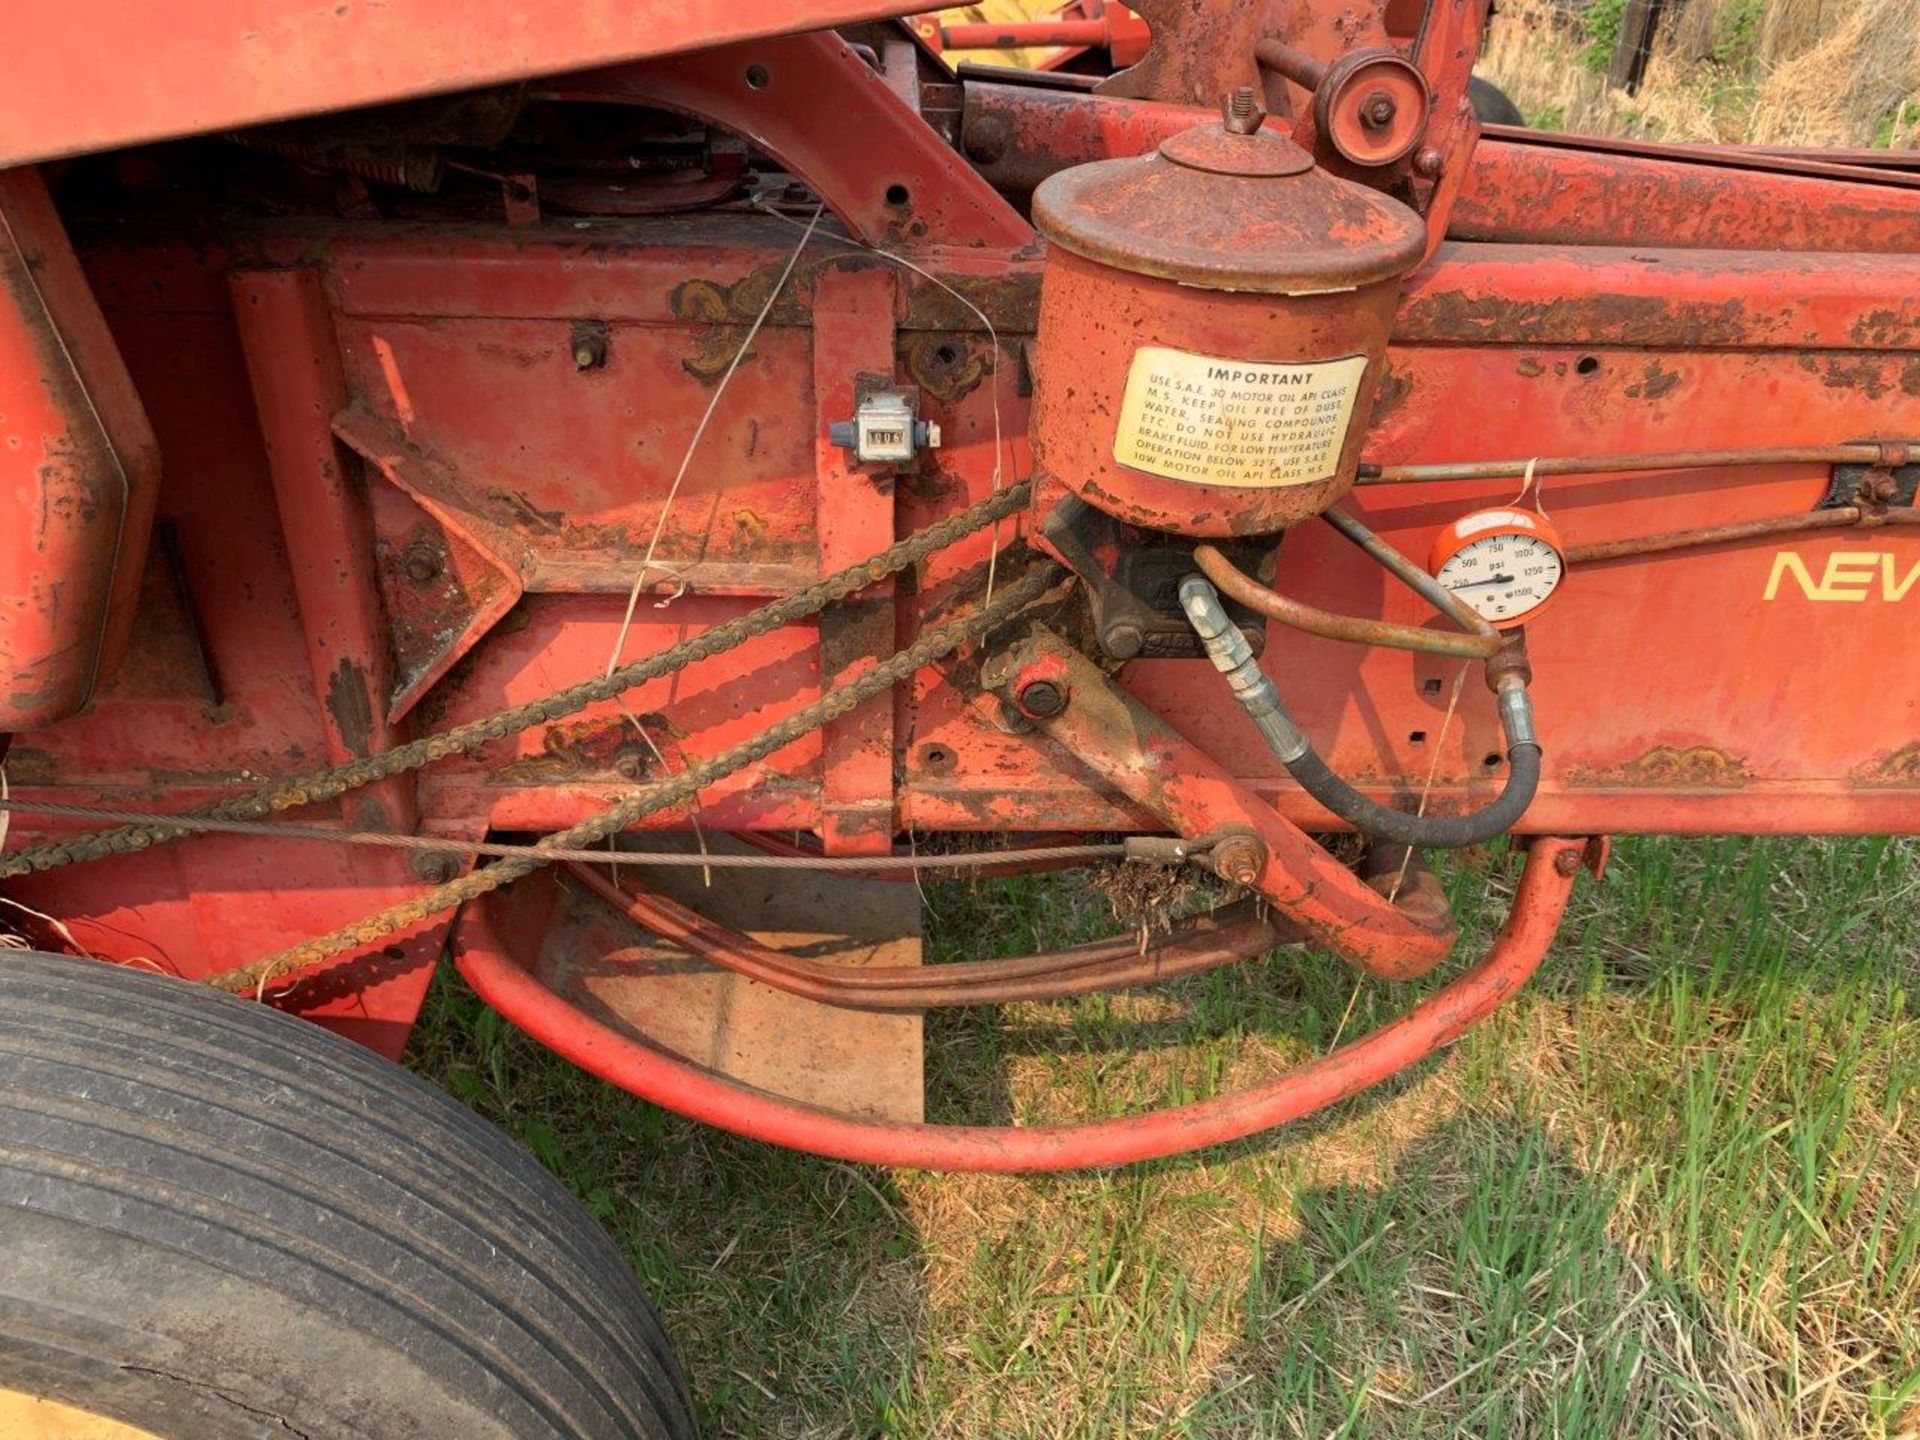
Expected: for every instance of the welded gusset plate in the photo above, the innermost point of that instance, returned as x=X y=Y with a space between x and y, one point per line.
x=444 y=576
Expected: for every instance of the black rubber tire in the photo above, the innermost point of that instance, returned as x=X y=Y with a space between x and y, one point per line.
x=1493 y=105
x=217 y=1220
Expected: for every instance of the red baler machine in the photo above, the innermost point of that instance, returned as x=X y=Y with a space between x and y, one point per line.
x=610 y=494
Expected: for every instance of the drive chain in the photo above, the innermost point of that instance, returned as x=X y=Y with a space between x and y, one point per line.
x=834 y=703
x=329 y=784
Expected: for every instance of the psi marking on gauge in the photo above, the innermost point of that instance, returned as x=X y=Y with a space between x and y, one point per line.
x=1506 y=564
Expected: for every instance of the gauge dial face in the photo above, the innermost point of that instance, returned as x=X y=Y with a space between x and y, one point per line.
x=1503 y=576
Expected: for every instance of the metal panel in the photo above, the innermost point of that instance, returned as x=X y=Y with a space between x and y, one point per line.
x=95 y=74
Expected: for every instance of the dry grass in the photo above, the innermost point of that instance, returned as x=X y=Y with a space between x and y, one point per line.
x=1781 y=72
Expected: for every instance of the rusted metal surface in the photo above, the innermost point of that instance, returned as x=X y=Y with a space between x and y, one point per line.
x=877 y=165
x=293 y=361
x=1198 y=53
x=1549 y=466
x=1846 y=517
x=121 y=72
x=1245 y=269
x=853 y=352
x=1448 y=44
x=1240 y=212
x=1018 y=135
x=1372 y=108
x=1647 y=296
x=1733 y=368
x=79 y=472
x=1553 y=192
x=446 y=577
x=1135 y=751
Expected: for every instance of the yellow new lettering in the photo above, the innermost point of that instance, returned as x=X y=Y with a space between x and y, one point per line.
x=1849 y=573
x=1894 y=589
x=1788 y=563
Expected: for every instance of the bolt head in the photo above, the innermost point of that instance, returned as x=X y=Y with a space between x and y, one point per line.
x=1429 y=162
x=1123 y=640
x=1239 y=859
x=1042 y=699
x=1377 y=111
x=436 y=868
x=422 y=563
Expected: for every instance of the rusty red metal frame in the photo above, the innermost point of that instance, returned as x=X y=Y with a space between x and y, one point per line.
x=79 y=473
x=888 y=177
x=1132 y=749
x=191 y=68
x=1617 y=306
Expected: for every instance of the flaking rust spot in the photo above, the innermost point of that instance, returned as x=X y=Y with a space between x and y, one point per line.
x=720 y=308
x=1672 y=767
x=1655 y=381
x=1884 y=330
x=1868 y=374
x=1392 y=394
x=588 y=750
x=1609 y=319
x=517 y=511
x=945 y=367
x=350 y=704
x=1898 y=769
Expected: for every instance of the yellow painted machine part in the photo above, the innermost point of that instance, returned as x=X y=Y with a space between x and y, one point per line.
x=1000 y=12
x=29 y=1417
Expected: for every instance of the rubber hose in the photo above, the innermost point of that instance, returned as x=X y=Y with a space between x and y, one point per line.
x=1445 y=831
x=1231 y=655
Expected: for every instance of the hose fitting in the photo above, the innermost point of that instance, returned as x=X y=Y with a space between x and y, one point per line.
x=1233 y=657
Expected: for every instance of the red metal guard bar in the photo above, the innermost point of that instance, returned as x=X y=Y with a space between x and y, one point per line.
x=700 y=1094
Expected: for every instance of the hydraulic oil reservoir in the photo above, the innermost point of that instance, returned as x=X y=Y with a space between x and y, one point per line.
x=1213 y=325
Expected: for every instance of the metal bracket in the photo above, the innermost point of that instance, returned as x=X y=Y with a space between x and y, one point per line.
x=1133 y=582
x=1896 y=481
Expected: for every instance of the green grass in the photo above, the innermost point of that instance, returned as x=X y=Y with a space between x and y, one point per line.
x=1670 y=1190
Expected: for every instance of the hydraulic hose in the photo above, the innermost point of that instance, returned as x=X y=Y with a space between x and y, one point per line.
x=1230 y=654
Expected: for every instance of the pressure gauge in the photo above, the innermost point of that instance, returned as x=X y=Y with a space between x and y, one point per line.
x=1506 y=564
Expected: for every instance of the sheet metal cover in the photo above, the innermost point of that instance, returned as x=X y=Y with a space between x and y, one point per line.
x=1226 y=211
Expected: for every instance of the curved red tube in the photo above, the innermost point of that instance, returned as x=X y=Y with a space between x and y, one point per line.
x=1228 y=936
x=702 y=1095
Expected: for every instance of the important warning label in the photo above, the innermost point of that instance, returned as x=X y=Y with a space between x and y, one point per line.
x=1234 y=422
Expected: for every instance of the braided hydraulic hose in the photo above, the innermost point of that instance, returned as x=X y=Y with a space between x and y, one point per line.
x=934 y=645
x=331 y=783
